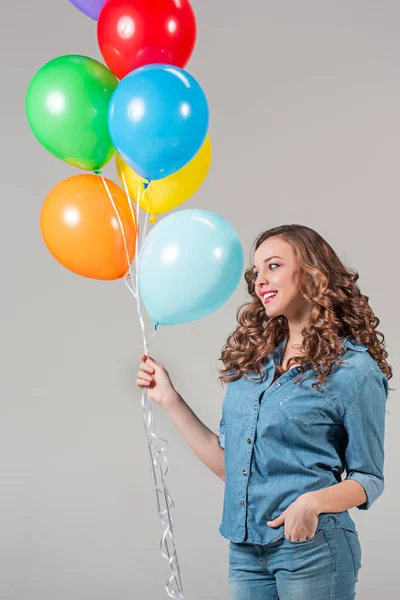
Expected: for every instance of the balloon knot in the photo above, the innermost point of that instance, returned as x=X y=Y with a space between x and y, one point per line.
x=146 y=184
x=152 y=219
x=97 y=172
x=155 y=325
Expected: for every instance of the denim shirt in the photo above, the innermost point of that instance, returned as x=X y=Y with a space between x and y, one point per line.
x=282 y=440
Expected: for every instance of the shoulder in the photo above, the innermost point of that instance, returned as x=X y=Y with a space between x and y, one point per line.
x=358 y=358
x=356 y=369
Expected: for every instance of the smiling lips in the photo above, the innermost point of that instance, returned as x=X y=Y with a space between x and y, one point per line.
x=268 y=297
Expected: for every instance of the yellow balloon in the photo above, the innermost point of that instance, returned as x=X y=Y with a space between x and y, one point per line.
x=165 y=194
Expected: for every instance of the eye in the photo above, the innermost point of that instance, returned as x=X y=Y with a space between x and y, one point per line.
x=270 y=265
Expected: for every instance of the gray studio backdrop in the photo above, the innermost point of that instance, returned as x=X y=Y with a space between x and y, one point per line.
x=305 y=126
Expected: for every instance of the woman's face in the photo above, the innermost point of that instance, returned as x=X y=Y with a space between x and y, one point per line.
x=277 y=270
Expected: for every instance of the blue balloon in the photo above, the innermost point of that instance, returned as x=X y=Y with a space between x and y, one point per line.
x=158 y=119
x=190 y=264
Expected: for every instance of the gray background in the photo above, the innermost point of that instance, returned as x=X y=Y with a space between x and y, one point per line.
x=305 y=127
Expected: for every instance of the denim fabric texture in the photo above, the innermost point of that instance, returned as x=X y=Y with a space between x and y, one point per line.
x=282 y=440
x=324 y=567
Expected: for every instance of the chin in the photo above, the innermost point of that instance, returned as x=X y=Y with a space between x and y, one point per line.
x=271 y=312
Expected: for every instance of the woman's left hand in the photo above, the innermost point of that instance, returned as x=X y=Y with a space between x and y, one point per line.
x=300 y=518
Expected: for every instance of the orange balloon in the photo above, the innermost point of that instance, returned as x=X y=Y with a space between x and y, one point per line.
x=81 y=229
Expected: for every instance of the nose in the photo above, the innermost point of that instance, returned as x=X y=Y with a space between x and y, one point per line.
x=260 y=283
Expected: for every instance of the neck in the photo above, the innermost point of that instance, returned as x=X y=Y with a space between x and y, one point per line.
x=296 y=324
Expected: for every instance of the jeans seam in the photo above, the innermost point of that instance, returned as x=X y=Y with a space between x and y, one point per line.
x=352 y=553
x=333 y=579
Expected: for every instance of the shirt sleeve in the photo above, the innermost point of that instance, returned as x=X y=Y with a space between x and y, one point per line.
x=221 y=437
x=364 y=421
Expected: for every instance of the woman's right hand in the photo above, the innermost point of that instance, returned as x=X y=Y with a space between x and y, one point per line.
x=154 y=375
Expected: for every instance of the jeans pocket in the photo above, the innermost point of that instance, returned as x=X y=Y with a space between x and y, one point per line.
x=355 y=548
x=318 y=534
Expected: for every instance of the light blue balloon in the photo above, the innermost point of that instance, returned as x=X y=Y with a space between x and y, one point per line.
x=158 y=119
x=190 y=264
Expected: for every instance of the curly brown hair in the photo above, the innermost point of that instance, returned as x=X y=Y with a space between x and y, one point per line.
x=338 y=309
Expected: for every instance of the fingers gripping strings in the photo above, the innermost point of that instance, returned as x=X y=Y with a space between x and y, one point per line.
x=164 y=501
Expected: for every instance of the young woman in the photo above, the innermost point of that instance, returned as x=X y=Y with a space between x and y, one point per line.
x=307 y=385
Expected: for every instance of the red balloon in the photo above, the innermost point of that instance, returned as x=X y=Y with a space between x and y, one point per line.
x=133 y=33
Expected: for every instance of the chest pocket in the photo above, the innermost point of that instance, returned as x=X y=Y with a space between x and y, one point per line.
x=302 y=403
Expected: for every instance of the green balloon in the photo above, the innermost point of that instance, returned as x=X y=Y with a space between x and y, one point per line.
x=67 y=110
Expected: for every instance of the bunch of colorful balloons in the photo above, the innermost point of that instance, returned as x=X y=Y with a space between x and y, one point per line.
x=154 y=114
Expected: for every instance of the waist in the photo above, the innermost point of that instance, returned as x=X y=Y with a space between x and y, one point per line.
x=260 y=533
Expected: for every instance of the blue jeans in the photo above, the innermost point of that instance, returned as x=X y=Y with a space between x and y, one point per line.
x=324 y=567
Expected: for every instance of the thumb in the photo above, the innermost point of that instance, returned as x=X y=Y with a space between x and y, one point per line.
x=277 y=522
x=150 y=361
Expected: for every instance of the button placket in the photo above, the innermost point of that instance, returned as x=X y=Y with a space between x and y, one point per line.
x=286 y=376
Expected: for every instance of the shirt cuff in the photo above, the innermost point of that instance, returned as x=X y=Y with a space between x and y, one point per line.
x=221 y=440
x=372 y=485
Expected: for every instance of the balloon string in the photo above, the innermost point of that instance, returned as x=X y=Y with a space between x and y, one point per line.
x=174 y=583
x=120 y=225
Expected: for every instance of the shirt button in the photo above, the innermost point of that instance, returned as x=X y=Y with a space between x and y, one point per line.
x=278 y=383
x=242 y=503
x=244 y=472
x=255 y=406
x=249 y=440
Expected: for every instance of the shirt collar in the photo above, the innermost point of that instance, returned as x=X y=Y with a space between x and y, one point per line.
x=349 y=342
x=278 y=351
